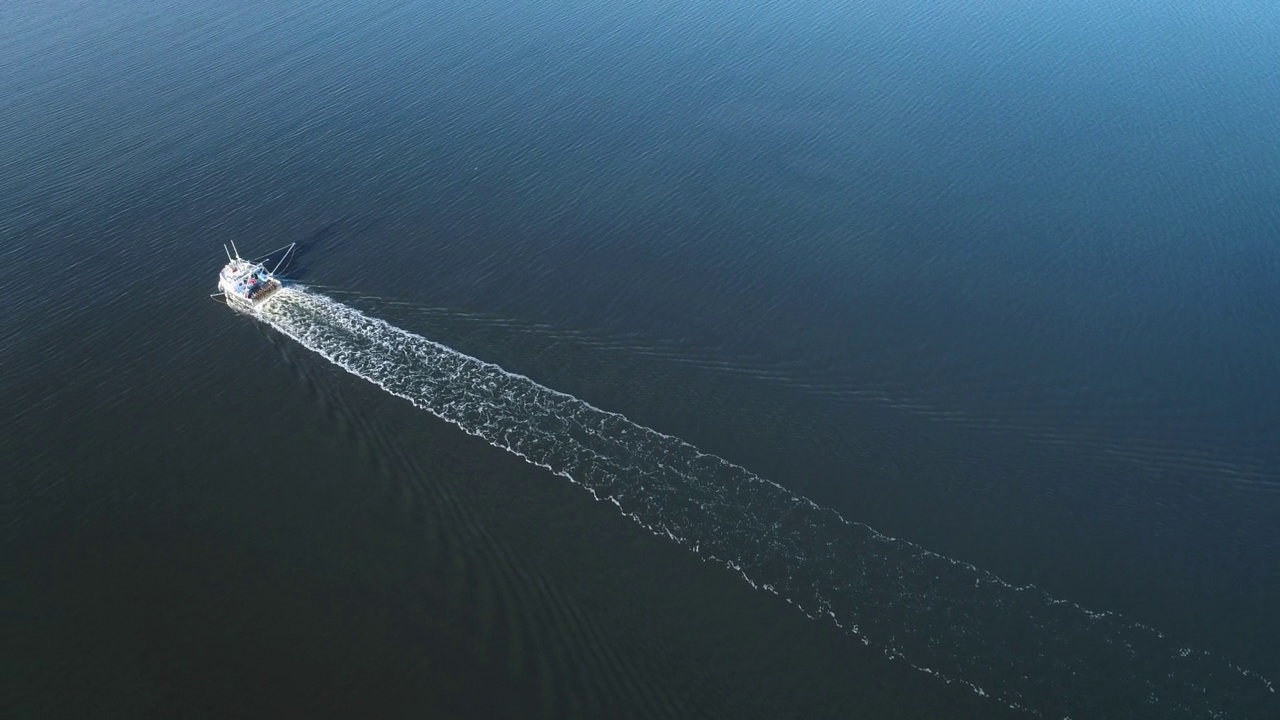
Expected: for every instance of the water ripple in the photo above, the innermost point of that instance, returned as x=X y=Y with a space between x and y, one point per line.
x=950 y=619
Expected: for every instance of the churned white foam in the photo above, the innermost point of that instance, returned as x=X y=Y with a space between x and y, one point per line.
x=944 y=617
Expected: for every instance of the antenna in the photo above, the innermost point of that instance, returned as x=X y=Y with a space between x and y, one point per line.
x=233 y=247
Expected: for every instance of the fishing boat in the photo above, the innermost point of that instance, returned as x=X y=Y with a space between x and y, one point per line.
x=248 y=283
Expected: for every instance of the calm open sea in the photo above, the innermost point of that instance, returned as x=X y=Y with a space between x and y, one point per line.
x=651 y=359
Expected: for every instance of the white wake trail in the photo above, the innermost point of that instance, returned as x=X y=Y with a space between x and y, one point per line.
x=950 y=619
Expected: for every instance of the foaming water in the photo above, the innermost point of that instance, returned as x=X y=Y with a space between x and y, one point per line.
x=944 y=617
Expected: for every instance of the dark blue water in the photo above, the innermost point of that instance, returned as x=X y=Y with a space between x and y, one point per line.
x=998 y=283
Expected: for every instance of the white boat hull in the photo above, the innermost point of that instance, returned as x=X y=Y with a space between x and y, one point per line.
x=247 y=284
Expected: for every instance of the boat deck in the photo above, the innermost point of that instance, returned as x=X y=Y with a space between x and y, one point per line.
x=258 y=295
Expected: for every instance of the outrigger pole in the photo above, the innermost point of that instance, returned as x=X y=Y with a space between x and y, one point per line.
x=283 y=257
x=233 y=247
x=225 y=250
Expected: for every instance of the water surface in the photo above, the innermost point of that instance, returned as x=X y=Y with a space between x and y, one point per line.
x=993 y=281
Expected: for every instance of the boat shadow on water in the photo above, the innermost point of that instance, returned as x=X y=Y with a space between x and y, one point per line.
x=305 y=249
